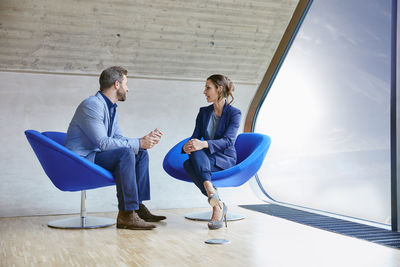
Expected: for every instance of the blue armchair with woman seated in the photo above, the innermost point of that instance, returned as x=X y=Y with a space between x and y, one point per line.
x=217 y=125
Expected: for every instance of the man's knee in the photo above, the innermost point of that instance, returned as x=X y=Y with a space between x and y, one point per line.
x=127 y=154
x=143 y=155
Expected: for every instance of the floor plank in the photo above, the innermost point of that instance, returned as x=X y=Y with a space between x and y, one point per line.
x=259 y=240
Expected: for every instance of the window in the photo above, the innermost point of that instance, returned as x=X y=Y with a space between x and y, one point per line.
x=328 y=113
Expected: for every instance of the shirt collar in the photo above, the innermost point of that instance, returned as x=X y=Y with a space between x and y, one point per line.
x=110 y=104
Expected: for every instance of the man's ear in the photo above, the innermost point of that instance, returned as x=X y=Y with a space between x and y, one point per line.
x=116 y=84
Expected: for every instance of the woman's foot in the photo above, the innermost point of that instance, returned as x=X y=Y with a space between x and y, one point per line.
x=212 y=193
x=219 y=214
x=213 y=199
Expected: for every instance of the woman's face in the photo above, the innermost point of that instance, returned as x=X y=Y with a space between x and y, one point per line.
x=211 y=92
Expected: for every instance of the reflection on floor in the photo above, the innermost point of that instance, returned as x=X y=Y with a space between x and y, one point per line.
x=328 y=223
x=259 y=240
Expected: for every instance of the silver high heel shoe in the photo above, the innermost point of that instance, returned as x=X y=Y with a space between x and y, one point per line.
x=213 y=199
x=212 y=225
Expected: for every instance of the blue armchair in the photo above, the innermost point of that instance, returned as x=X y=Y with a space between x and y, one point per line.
x=69 y=172
x=251 y=149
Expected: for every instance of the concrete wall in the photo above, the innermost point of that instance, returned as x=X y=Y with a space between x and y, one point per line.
x=52 y=51
x=152 y=38
x=47 y=102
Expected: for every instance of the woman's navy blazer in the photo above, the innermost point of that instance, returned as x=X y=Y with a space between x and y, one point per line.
x=223 y=144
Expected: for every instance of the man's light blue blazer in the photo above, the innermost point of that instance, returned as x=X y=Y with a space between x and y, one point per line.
x=87 y=132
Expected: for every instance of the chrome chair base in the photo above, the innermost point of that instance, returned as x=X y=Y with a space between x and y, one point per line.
x=82 y=223
x=206 y=216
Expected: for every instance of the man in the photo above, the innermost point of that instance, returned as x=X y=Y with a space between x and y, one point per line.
x=94 y=134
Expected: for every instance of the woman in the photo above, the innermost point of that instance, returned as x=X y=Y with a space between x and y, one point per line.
x=217 y=124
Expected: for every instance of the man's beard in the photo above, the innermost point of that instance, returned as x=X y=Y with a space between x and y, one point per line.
x=121 y=94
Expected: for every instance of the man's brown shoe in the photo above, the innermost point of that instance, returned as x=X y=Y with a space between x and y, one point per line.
x=131 y=220
x=146 y=215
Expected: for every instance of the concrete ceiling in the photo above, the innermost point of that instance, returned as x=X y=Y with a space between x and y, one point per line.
x=181 y=39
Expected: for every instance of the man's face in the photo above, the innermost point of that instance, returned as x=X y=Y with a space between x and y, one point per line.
x=122 y=89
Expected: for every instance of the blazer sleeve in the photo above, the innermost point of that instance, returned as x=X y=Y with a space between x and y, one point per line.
x=91 y=123
x=196 y=133
x=135 y=141
x=197 y=129
x=229 y=136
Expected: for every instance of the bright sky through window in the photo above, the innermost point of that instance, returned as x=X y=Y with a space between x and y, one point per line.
x=327 y=113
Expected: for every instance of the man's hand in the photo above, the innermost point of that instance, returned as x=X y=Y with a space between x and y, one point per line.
x=151 y=139
x=194 y=145
x=156 y=133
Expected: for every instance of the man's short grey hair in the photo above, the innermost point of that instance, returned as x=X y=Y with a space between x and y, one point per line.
x=110 y=75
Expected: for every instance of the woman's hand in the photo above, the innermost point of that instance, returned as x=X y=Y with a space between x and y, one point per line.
x=194 y=145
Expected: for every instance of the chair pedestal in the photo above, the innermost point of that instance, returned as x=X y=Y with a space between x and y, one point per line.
x=82 y=222
x=206 y=216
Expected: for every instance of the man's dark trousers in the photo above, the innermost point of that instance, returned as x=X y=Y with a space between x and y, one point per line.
x=131 y=173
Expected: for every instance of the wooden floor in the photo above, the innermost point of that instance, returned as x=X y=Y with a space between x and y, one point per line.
x=259 y=240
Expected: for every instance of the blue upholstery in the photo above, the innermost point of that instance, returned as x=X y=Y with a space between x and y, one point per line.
x=67 y=170
x=251 y=149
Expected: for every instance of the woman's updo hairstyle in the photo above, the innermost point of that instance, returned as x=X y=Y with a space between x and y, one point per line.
x=227 y=85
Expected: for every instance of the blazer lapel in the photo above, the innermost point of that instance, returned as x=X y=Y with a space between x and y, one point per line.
x=221 y=122
x=210 y=109
x=107 y=114
x=115 y=122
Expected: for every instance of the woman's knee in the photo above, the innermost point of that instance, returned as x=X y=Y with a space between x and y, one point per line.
x=199 y=154
x=194 y=154
x=187 y=165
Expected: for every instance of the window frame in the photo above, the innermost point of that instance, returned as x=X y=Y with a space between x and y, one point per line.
x=277 y=60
